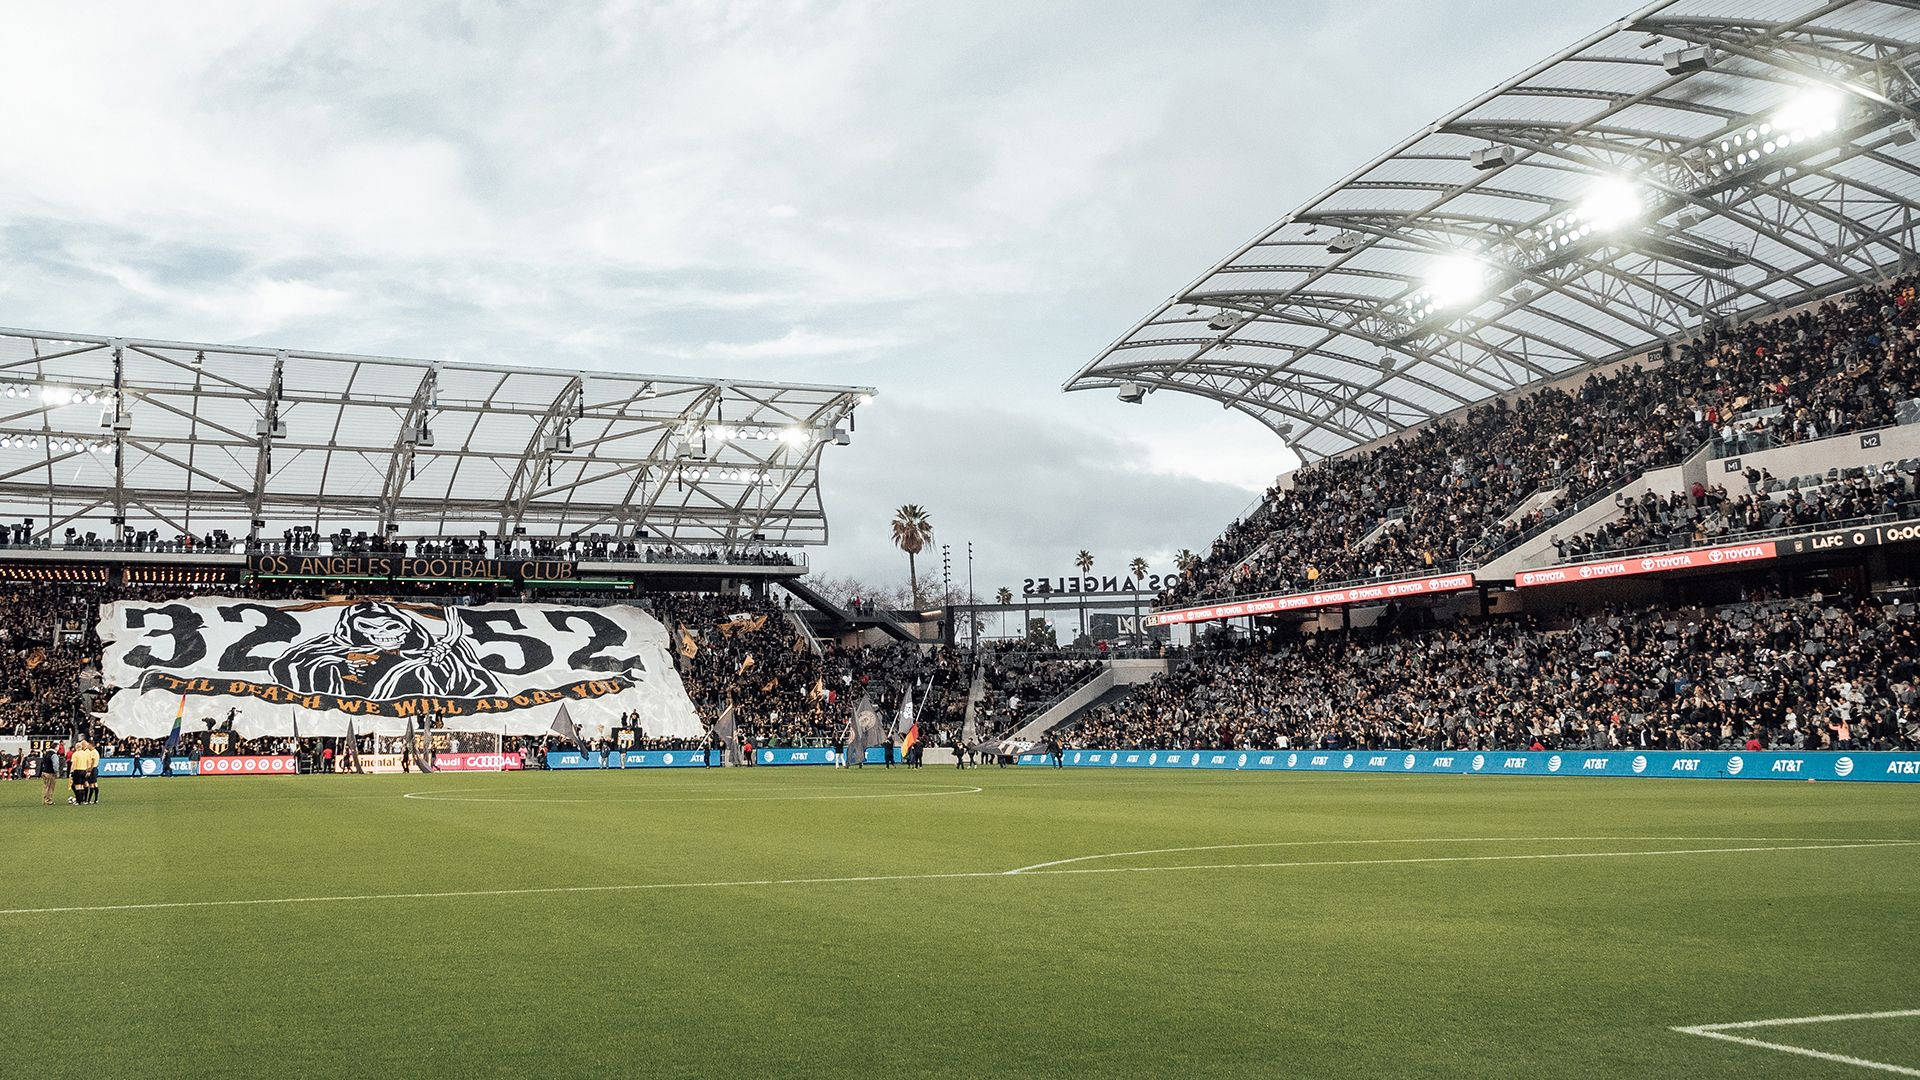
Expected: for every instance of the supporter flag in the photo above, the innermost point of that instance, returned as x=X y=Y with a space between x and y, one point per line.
x=353 y=749
x=866 y=729
x=976 y=693
x=913 y=736
x=420 y=745
x=564 y=727
x=689 y=648
x=745 y=665
x=819 y=689
x=723 y=729
x=173 y=737
x=903 y=719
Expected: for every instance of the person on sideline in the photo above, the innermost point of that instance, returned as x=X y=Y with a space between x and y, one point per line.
x=49 y=773
x=86 y=775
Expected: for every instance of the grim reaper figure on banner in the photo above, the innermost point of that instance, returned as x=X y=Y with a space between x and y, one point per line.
x=383 y=651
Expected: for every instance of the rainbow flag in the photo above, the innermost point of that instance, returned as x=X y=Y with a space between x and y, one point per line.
x=173 y=737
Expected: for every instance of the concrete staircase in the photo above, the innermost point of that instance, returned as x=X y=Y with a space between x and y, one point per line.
x=801 y=628
x=1114 y=681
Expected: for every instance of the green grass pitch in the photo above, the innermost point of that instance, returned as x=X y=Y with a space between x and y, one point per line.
x=814 y=924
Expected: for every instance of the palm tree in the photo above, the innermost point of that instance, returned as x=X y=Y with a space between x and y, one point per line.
x=1186 y=560
x=1084 y=561
x=912 y=532
x=1005 y=599
x=1139 y=568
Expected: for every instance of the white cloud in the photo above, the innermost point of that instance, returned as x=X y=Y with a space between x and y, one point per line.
x=800 y=341
x=959 y=204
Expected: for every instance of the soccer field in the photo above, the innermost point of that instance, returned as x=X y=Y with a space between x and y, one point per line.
x=812 y=921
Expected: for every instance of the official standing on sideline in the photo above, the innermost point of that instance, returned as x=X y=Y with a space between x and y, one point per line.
x=49 y=773
x=86 y=774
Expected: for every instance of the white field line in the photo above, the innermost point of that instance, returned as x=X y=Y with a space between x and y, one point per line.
x=1453 y=840
x=769 y=882
x=436 y=796
x=1719 y=1031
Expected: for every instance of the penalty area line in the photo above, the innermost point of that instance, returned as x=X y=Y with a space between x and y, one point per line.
x=1719 y=1031
x=558 y=890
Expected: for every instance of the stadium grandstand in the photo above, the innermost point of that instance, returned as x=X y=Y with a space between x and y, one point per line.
x=1602 y=401
x=1636 y=329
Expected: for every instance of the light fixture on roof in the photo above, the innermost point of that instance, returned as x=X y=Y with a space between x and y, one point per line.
x=1456 y=279
x=1687 y=61
x=1611 y=203
x=199 y=359
x=1488 y=158
x=1815 y=112
x=1133 y=393
x=1343 y=243
x=1902 y=133
x=796 y=436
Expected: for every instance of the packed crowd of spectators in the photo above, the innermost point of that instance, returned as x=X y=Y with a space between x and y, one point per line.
x=306 y=541
x=1802 y=674
x=1452 y=492
x=1709 y=514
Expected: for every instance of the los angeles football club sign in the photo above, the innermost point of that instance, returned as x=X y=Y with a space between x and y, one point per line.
x=380 y=666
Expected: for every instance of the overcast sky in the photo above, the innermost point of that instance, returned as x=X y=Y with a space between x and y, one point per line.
x=957 y=203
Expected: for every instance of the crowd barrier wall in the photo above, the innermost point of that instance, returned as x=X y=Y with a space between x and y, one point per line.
x=1722 y=765
x=680 y=759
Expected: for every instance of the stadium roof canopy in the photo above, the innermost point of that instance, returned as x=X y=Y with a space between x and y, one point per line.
x=1700 y=159
x=186 y=437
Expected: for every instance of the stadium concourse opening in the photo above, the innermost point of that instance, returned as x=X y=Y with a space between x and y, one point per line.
x=533 y=743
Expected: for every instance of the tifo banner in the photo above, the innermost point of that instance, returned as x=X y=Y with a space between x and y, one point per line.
x=1357 y=594
x=249 y=765
x=1648 y=564
x=285 y=667
x=1771 y=765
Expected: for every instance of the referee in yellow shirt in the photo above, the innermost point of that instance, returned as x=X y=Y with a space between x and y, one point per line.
x=86 y=774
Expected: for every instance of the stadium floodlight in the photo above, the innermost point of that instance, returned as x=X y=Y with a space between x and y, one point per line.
x=1456 y=279
x=1133 y=393
x=796 y=436
x=1611 y=203
x=1902 y=133
x=1815 y=112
